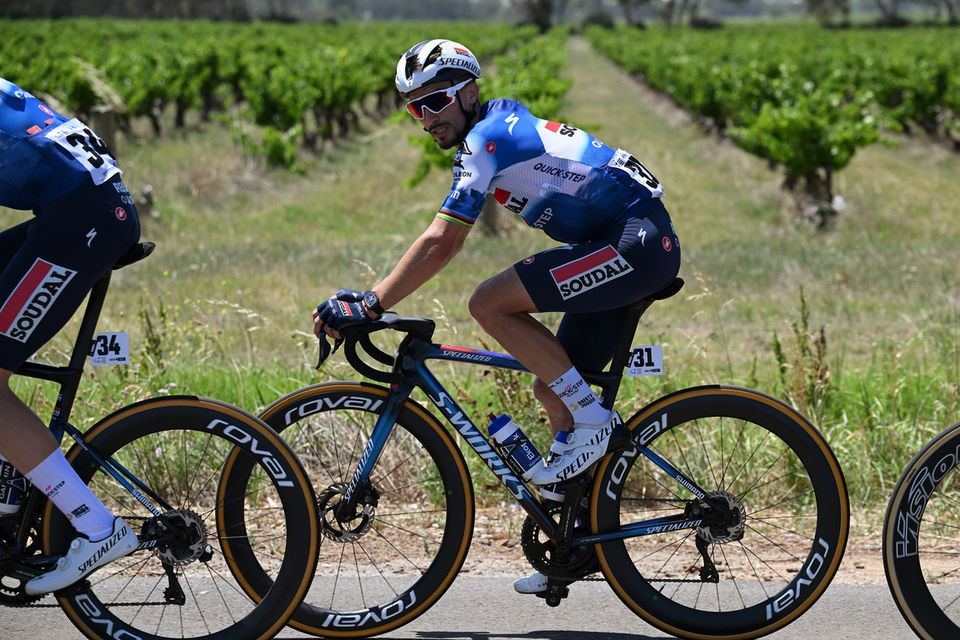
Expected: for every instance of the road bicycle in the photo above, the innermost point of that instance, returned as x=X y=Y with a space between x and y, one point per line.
x=724 y=514
x=921 y=539
x=158 y=464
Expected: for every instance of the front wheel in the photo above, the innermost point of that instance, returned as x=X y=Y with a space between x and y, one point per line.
x=751 y=554
x=179 y=584
x=921 y=540
x=390 y=559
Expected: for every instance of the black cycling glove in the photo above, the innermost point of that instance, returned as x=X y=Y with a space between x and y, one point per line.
x=344 y=309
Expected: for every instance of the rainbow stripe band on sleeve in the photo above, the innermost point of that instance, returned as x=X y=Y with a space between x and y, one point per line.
x=450 y=216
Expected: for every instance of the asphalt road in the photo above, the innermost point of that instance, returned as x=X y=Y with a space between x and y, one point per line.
x=477 y=608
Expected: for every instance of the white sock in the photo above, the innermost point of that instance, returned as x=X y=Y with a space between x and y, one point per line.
x=579 y=398
x=61 y=484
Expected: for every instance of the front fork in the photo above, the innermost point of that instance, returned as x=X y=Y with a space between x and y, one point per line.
x=359 y=487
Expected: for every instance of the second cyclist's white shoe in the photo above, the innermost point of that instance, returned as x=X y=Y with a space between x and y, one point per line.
x=584 y=445
x=83 y=557
x=534 y=583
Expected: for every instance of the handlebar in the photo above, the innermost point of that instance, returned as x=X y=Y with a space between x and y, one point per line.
x=421 y=328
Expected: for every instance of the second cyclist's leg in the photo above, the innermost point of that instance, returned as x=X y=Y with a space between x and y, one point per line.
x=65 y=249
x=28 y=445
x=503 y=306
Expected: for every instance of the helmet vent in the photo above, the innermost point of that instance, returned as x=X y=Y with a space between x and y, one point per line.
x=434 y=54
x=413 y=64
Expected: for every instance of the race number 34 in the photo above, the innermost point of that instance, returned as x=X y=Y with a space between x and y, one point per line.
x=109 y=348
x=645 y=361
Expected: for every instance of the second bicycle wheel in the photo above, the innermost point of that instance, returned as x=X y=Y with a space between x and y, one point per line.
x=921 y=539
x=391 y=560
x=773 y=523
x=179 y=584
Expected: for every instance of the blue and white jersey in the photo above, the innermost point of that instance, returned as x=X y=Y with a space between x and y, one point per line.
x=556 y=177
x=44 y=155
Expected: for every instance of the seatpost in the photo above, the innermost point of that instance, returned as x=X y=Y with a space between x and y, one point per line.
x=69 y=377
x=88 y=325
x=625 y=338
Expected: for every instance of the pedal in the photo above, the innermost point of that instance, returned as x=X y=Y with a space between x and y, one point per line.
x=556 y=591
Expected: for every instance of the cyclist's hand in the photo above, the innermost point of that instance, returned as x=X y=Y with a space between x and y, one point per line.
x=350 y=295
x=334 y=314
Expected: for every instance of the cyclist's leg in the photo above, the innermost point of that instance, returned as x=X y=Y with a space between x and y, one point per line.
x=588 y=340
x=631 y=261
x=62 y=252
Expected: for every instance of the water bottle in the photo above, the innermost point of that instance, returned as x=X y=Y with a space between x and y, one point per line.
x=12 y=487
x=515 y=445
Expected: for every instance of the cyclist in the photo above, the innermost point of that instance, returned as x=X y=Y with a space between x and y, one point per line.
x=604 y=206
x=83 y=221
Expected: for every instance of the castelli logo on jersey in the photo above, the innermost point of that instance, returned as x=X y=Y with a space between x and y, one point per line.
x=45 y=109
x=667 y=244
x=491 y=147
x=32 y=298
x=121 y=213
x=528 y=260
x=589 y=272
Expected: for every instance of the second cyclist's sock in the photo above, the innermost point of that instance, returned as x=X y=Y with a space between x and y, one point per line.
x=59 y=482
x=579 y=398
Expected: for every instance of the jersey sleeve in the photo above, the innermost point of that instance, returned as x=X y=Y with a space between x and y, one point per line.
x=473 y=168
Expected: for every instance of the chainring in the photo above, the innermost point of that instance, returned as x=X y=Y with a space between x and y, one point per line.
x=538 y=549
x=12 y=593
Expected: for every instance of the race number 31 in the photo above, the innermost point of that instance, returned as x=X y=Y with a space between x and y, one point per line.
x=645 y=361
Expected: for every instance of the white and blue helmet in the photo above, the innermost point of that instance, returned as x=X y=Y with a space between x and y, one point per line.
x=434 y=61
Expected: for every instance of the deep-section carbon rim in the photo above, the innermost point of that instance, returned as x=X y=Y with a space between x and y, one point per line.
x=388 y=565
x=921 y=539
x=185 y=589
x=782 y=534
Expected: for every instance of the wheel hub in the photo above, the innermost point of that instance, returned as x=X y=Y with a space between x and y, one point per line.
x=348 y=526
x=726 y=524
x=185 y=543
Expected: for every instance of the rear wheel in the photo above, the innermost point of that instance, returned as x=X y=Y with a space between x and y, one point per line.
x=773 y=523
x=179 y=585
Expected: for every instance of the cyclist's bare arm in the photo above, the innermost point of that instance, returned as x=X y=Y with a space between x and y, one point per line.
x=428 y=254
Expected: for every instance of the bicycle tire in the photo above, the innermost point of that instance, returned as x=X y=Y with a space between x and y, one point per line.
x=920 y=540
x=771 y=562
x=379 y=578
x=177 y=446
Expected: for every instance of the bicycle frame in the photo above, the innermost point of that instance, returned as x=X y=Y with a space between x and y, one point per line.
x=68 y=379
x=411 y=371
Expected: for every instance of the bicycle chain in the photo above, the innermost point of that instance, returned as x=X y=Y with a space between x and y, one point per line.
x=671 y=501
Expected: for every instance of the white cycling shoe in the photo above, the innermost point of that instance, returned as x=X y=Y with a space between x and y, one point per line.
x=534 y=583
x=584 y=445
x=83 y=557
